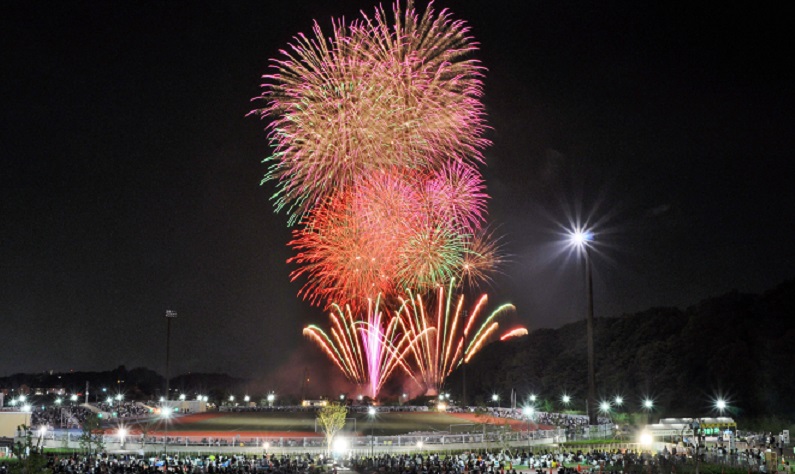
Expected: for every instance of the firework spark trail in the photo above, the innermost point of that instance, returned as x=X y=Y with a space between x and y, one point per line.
x=438 y=353
x=367 y=350
x=514 y=333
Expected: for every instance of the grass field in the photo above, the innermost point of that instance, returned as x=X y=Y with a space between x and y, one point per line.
x=303 y=423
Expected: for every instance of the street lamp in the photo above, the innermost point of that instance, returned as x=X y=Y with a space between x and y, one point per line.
x=648 y=404
x=122 y=433
x=496 y=399
x=720 y=404
x=566 y=400
x=604 y=406
x=464 y=401
x=169 y=316
x=271 y=398
x=528 y=412
x=618 y=400
x=165 y=412
x=371 y=414
x=581 y=239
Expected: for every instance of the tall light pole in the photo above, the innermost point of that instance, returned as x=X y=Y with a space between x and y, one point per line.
x=582 y=239
x=371 y=413
x=464 y=359
x=169 y=316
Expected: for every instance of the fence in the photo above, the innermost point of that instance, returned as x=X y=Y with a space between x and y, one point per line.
x=440 y=441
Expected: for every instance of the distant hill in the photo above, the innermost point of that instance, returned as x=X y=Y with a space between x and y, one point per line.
x=739 y=346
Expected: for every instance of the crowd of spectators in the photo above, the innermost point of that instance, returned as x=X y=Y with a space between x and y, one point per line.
x=205 y=464
x=73 y=416
x=124 y=409
x=558 y=462
x=58 y=417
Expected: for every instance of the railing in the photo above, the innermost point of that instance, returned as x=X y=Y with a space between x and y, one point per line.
x=380 y=443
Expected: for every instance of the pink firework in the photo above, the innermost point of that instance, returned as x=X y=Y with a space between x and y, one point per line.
x=367 y=350
x=374 y=95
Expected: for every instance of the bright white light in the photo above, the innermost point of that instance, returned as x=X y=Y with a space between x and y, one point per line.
x=26 y=408
x=720 y=404
x=647 y=404
x=57 y=401
x=533 y=398
x=166 y=412
x=340 y=445
x=604 y=406
x=419 y=444
x=371 y=411
x=342 y=396
x=266 y=445
x=122 y=432
x=206 y=398
x=566 y=399
x=22 y=398
x=231 y=398
x=495 y=397
x=246 y=398
x=619 y=401
x=109 y=400
x=528 y=411
x=182 y=396
x=73 y=398
x=361 y=398
x=271 y=397
x=645 y=438
x=580 y=237
x=42 y=431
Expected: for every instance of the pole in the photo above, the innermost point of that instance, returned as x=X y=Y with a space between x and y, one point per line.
x=591 y=402
x=464 y=360
x=167 y=406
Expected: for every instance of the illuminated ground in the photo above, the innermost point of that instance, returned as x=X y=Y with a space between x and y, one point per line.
x=303 y=424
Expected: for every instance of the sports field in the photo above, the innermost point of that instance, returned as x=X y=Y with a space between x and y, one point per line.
x=263 y=424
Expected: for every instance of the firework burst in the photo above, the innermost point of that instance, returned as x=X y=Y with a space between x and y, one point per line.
x=375 y=94
x=393 y=231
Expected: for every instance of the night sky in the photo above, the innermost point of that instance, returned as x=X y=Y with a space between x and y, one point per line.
x=130 y=176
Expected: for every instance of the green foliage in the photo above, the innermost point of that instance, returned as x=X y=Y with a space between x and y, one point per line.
x=30 y=458
x=331 y=419
x=737 y=345
x=91 y=436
